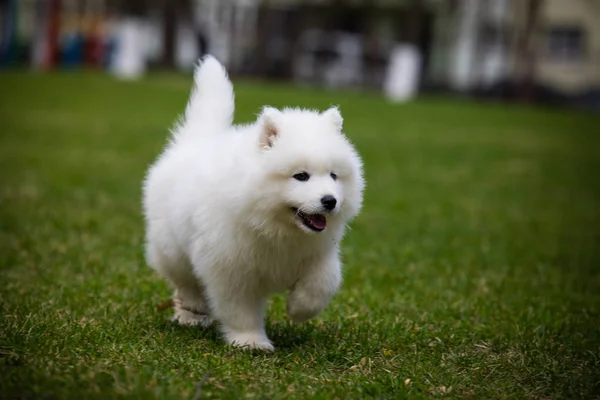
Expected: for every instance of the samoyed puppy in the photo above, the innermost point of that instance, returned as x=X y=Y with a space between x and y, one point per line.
x=235 y=213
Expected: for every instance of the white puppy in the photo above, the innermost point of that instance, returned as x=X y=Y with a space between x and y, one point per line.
x=235 y=213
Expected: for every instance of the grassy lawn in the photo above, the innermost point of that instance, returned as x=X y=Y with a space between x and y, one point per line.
x=473 y=271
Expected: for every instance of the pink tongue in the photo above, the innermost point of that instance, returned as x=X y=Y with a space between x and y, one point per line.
x=318 y=221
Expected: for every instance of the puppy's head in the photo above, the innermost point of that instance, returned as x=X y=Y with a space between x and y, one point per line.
x=313 y=176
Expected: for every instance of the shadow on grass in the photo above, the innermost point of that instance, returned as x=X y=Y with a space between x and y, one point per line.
x=286 y=336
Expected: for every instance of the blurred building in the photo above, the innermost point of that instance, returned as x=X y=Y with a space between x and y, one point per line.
x=567 y=43
x=535 y=49
x=486 y=44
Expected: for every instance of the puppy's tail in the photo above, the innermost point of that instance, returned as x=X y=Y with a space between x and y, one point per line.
x=211 y=103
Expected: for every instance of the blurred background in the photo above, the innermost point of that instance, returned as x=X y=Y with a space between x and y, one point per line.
x=546 y=51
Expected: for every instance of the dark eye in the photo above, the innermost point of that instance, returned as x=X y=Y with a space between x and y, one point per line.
x=302 y=176
x=333 y=176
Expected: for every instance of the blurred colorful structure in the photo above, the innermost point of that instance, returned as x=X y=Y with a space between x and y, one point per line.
x=531 y=49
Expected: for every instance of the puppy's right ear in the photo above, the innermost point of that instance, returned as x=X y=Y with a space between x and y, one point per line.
x=333 y=115
x=268 y=127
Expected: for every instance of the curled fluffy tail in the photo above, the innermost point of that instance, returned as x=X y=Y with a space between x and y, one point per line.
x=211 y=102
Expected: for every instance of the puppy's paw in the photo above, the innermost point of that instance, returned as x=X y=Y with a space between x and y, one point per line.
x=250 y=341
x=299 y=311
x=188 y=318
x=302 y=315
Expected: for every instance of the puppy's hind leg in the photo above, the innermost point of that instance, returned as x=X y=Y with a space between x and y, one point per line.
x=190 y=305
x=189 y=300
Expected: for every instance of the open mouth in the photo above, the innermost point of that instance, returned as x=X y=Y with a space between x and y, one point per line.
x=315 y=222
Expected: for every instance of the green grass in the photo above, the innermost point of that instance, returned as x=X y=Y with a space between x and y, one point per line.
x=473 y=271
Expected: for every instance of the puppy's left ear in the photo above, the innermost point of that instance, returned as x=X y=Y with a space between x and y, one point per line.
x=333 y=115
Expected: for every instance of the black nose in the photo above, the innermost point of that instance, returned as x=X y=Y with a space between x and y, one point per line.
x=329 y=202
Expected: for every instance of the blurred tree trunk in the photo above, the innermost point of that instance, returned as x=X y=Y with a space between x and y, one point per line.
x=527 y=51
x=169 y=27
x=414 y=22
x=52 y=57
x=264 y=16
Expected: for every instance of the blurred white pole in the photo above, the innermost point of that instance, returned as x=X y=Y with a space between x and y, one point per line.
x=402 y=79
x=130 y=60
x=463 y=74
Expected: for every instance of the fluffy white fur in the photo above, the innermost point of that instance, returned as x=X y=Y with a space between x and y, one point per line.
x=224 y=213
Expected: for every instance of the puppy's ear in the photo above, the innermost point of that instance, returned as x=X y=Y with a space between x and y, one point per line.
x=269 y=127
x=333 y=115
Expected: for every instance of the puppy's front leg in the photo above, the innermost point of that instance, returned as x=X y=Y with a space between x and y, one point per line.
x=240 y=313
x=313 y=291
